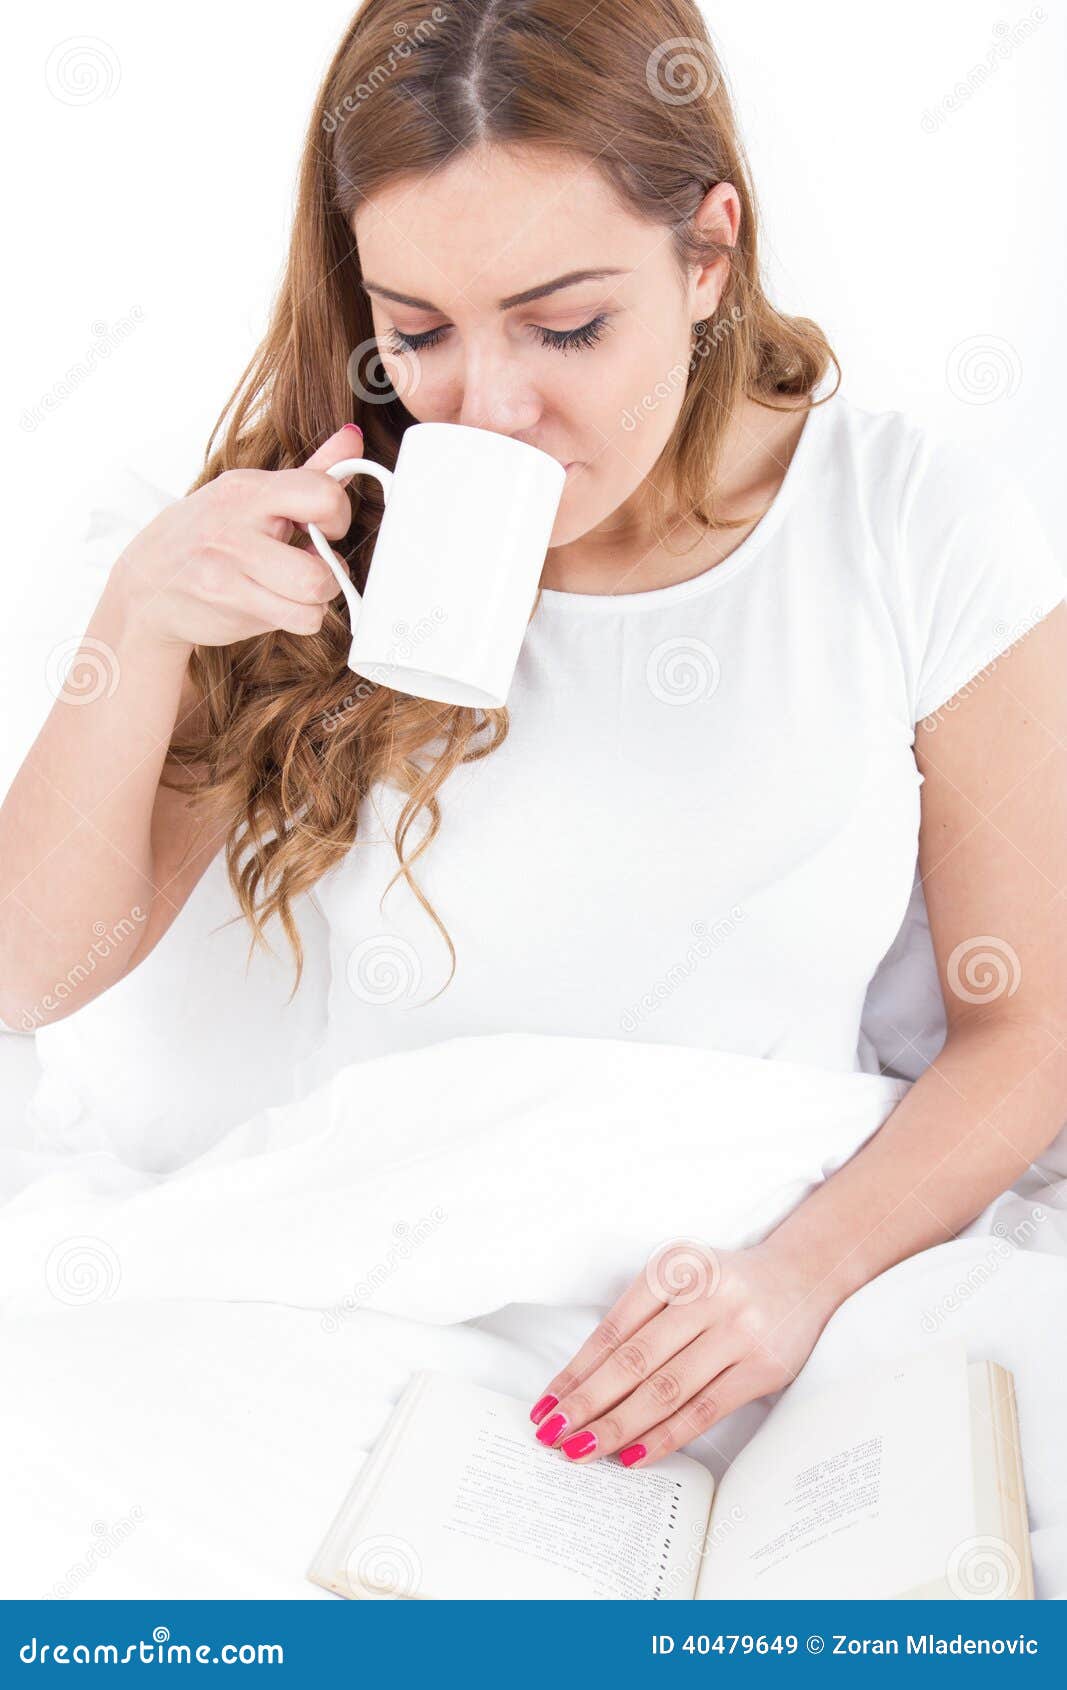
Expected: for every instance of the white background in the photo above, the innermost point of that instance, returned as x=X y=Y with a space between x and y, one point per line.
x=907 y=229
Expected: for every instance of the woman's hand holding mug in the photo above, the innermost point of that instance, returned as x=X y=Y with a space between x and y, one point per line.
x=216 y=567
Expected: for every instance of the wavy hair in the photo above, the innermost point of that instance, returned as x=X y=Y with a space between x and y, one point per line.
x=282 y=746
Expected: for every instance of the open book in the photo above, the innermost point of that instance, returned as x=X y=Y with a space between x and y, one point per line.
x=907 y=1481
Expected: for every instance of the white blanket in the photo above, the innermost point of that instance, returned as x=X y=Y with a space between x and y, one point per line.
x=196 y=1363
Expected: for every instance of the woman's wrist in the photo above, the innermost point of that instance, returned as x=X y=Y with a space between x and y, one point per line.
x=127 y=611
x=825 y=1269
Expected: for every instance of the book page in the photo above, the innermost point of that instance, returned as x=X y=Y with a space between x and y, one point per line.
x=469 y=1504
x=863 y=1489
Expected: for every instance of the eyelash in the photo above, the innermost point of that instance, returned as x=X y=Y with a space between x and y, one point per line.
x=562 y=340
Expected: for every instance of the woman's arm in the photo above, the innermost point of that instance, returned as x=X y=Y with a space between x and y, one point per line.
x=96 y=859
x=993 y=855
x=993 y=858
x=76 y=849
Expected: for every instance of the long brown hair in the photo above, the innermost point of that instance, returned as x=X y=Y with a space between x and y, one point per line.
x=286 y=742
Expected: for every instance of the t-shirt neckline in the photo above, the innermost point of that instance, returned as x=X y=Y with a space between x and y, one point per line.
x=559 y=600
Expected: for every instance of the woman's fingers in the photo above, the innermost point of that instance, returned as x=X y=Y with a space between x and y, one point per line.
x=622 y=1370
x=682 y=1274
x=623 y=1319
x=253 y=605
x=345 y=442
x=592 y=1421
x=293 y=572
x=734 y=1386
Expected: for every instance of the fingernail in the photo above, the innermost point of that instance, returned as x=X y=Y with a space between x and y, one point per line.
x=631 y=1454
x=580 y=1444
x=357 y=428
x=550 y=1431
x=541 y=1408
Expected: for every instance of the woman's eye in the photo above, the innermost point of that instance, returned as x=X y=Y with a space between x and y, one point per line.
x=400 y=342
x=562 y=340
x=587 y=334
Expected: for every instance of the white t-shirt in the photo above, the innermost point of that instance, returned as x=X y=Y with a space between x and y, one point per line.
x=703 y=825
x=702 y=828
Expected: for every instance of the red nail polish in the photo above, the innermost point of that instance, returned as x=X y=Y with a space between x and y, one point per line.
x=357 y=428
x=551 y=1428
x=633 y=1453
x=580 y=1444
x=541 y=1408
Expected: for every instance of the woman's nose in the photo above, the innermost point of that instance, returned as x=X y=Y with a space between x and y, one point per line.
x=496 y=396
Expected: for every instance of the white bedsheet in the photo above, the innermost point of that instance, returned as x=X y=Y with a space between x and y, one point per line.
x=197 y=1362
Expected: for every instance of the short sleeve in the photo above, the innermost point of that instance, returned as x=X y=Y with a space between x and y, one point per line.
x=979 y=568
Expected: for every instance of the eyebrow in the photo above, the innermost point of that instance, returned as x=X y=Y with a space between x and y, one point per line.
x=524 y=298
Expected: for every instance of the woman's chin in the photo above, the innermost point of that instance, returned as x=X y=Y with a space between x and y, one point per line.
x=573 y=518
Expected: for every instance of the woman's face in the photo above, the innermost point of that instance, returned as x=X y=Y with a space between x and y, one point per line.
x=593 y=369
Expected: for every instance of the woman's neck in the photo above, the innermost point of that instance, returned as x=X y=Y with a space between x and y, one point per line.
x=622 y=555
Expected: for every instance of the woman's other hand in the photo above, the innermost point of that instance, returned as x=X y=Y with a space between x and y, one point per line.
x=697 y=1334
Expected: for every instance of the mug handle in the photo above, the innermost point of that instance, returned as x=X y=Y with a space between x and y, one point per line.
x=349 y=466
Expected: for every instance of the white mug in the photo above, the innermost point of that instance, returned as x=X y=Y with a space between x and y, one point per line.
x=457 y=562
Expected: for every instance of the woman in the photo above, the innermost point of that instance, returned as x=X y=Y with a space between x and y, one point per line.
x=699 y=819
